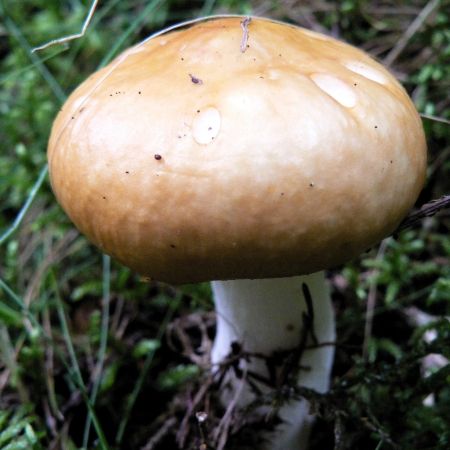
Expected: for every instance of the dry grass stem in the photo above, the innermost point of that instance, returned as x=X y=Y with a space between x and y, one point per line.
x=71 y=37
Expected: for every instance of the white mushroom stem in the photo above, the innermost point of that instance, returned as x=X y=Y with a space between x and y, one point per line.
x=266 y=316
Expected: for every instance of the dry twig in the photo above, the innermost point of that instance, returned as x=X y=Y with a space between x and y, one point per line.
x=415 y=25
x=160 y=434
x=427 y=210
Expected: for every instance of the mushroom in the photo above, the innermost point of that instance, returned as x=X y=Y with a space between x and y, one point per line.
x=253 y=154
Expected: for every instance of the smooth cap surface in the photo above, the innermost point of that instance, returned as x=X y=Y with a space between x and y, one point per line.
x=189 y=159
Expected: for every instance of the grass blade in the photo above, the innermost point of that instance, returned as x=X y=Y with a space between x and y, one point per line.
x=135 y=24
x=75 y=368
x=143 y=375
x=46 y=74
x=31 y=196
x=103 y=341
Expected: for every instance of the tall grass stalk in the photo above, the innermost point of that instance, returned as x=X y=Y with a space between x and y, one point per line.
x=103 y=342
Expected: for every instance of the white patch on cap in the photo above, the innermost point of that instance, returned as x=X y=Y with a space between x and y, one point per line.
x=273 y=74
x=366 y=71
x=206 y=125
x=335 y=88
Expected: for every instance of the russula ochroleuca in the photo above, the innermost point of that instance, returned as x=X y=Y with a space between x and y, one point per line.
x=249 y=151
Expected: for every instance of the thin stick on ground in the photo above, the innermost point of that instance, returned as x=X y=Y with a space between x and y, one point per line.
x=160 y=434
x=413 y=28
x=184 y=428
x=222 y=430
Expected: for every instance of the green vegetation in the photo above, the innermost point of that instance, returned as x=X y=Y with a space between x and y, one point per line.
x=85 y=359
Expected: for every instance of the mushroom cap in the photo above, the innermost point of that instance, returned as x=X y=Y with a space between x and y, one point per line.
x=207 y=154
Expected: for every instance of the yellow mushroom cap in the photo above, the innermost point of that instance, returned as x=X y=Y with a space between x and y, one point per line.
x=215 y=152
